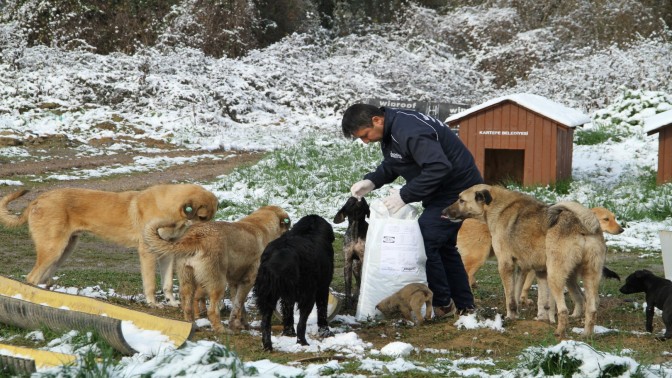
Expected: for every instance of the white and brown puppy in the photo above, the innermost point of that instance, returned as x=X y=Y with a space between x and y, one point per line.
x=559 y=242
x=407 y=301
x=212 y=255
x=55 y=218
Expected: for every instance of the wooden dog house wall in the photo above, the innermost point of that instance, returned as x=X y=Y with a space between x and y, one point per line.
x=662 y=124
x=523 y=138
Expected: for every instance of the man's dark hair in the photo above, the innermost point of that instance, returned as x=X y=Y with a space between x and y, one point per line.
x=358 y=116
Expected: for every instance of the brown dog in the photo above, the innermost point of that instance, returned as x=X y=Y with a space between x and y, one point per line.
x=609 y=225
x=55 y=219
x=474 y=244
x=560 y=243
x=211 y=255
x=408 y=300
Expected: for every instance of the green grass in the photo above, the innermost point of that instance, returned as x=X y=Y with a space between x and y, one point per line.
x=597 y=135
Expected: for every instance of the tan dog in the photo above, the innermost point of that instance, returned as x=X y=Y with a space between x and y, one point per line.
x=211 y=255
x=474 y=244
x=408 y=300
x=559 y=243
x=55 y=219
x=609 y=225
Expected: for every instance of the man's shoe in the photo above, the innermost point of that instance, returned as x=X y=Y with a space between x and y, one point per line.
x=448 y=311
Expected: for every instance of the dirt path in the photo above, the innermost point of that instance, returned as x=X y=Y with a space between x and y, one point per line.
x=58 y=156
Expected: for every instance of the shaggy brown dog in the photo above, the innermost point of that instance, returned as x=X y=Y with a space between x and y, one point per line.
x=609 y=225
x=408 y=300
x=214 y=254
x=475 y=246
x=55 y=219
x=563 y=242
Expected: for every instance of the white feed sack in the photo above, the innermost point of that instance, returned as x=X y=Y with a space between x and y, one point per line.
x=394 y=256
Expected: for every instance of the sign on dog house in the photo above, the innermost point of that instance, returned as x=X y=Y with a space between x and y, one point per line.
x=661 y=123
x=521 y=137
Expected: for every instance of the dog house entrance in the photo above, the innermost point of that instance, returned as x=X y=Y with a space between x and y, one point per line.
x=504 y=166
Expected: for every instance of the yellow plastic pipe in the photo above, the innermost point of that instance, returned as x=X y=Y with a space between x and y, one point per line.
x=176 y=330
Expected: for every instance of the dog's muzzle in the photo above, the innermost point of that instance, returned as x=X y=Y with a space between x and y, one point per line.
x=449 y=214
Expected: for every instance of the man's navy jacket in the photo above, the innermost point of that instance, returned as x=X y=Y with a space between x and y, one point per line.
x=435 y=163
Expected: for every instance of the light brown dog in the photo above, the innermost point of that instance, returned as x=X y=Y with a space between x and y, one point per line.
x=55 y=218
x=407 y=301
x=559 y=243
x=609 y=225
x=474 y=244
x=211 y=255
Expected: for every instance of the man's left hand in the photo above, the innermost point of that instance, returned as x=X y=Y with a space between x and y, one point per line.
x=393 y=202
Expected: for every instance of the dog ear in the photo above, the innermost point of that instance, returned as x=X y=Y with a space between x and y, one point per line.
x=484 y=196
x=349 y=204
x=340 y=217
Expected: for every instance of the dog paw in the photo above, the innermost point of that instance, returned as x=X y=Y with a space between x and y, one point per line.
x=231 y=331
x=527 y=302
x=155 y=305
x=325 y=332
x=235 y=326
x=288 y=332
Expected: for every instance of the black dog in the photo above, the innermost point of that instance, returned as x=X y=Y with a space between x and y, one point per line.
x=296 y=268
x=658 y=294
x=353 y=243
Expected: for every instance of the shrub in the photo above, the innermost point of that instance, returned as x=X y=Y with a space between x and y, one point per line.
x=105 y=26
x=597 y=135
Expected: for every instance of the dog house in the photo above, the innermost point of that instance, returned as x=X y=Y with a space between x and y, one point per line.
x=661 y=123
x=522 y=137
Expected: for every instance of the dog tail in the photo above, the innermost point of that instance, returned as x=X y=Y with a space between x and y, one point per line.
x=585 y=216
x=608 y=273
x=269 y=286
x=159 y=245
x=8 y=219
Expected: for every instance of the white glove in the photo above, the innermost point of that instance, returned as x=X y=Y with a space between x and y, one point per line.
x=393 y=202
x=361 y=188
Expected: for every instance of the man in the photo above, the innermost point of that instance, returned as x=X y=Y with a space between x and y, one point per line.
x=437 y=167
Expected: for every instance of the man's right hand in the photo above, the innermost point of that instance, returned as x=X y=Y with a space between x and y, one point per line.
x=361 y=188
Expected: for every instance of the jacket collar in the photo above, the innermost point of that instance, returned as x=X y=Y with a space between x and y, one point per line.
x=390 y=115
